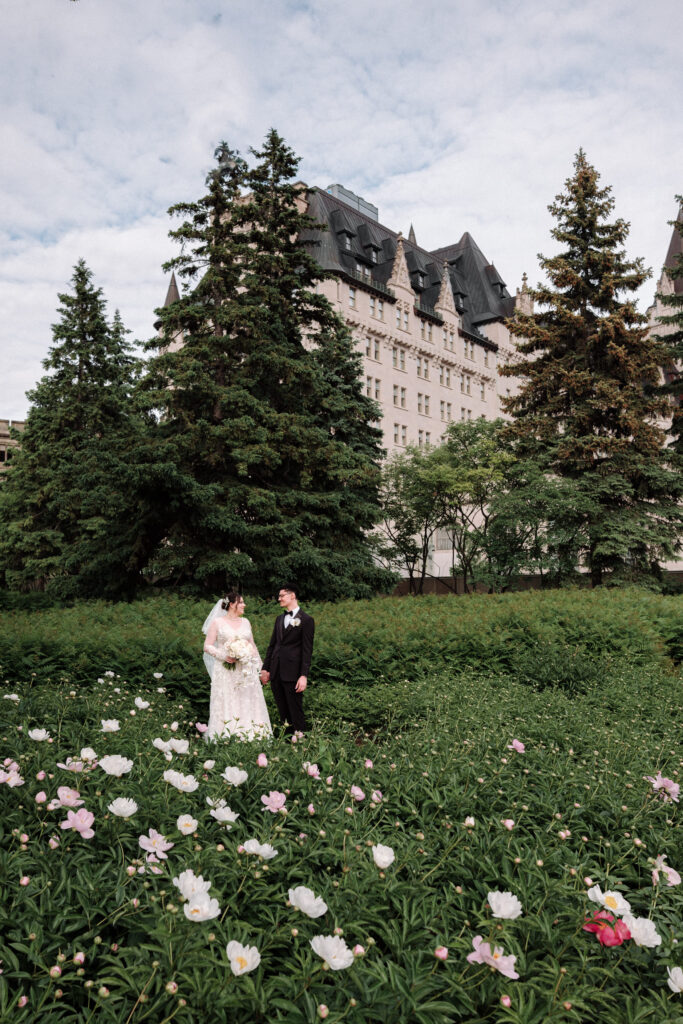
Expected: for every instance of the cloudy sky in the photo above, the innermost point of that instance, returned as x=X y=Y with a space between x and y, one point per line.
x=455 y=115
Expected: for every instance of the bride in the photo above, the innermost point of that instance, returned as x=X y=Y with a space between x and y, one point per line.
x=237 y=706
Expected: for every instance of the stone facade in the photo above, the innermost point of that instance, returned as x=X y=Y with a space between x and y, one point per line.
x=7 y=443
x=430 y=325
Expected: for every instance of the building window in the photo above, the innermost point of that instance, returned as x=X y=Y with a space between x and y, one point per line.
x=398 y=317
x=428 y=437
x=380 y=309
x=468 y=384
x=368 y=347
x=426 y=405
x=462 y=383
x=405 y=319
x=404 y=435
x=368 y=386
x=395 y=394
x=482 y=391
x=395 y=433
x=486 y=357
x=469 y=414
x=403 y=398
x=373 y=303
x=376 y=350
x=448 y=376
x=422 y=329
x=442 y=410
x=420 y=437
x=429 y=332
x=373 y=254
x=377 y=388
x=426 y=369
x=448 y=411
x=452 y=340
x=463 y=412
x=418 y=366
x=419 y=401
x=352 y=298
x=394 y=357
x=401 y=359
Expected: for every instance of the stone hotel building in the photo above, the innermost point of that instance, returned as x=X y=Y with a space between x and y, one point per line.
x=429 y=324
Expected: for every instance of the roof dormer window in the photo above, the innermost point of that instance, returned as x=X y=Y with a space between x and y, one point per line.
x=345 y=240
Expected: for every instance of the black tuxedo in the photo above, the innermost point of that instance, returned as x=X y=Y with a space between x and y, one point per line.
x=288 y=657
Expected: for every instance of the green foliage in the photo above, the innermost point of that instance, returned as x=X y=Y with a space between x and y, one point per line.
x=358 y=644
x=67 y=507
x=589 y=402
x=444 y=758
x=265 y=456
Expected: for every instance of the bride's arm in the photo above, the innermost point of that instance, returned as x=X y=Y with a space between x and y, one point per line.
x=210 y=643
x=250 y=638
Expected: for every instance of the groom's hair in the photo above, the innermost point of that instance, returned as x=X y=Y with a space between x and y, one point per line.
x=289 y=587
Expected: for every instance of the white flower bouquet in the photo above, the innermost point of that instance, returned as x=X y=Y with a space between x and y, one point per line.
x=240 y=650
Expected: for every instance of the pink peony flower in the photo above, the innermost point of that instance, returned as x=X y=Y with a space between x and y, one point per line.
x=667 y=788
x=24 y=880
x=274 y=802
x=41 y=797
x=376 y=796
x=368 y=763
x=53 y=842
x=672 y=876
x=22 y=1000
x=56 y=971
x=68 y=797
x=483 y=954
x=155 y=843
x=311 y=809
x=608 y=930
x=357 y=793
x=79 y=958
x=358 y=950
x=40 y=775
x=505 y=1001
x=441 y=952
x=262 y=761
x=80 y=821
x=509 y=824
x=312 y=770
x=517 y=745
x=200 y=726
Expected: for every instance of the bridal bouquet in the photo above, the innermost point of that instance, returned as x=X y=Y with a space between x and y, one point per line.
x=240 y=650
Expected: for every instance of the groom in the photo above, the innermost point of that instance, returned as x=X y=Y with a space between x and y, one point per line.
x=288 y=660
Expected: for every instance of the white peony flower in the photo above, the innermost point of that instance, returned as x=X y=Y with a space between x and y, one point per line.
x=191 y=885
x=142 y=704
x=88 y=754
x=115 y=764
x=469 y=822
x=179 y=746
x=11 y=696
x=158 y=675
x=242 y=958
x=201 y=908
x=307 y=902
x=163 y=745
x=208 y=765
x=123 y=807
x=225 y=816
x=216 y=803
x=643 y=931
x=333 y=950
x=264 y=850
x=612 y=901
x=504 y=905
x=235 y=776
x=186 y=824
x=675 y=981
x=110 y=725
x=38 y=735
x=183 y=783
x=383 y=856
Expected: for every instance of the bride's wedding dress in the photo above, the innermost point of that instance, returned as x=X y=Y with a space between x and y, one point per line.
x=237 y=706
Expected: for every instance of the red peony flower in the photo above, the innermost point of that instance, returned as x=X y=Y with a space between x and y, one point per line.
x=609 y=930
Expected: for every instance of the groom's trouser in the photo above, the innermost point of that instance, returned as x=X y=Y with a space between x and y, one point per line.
x=290 y=704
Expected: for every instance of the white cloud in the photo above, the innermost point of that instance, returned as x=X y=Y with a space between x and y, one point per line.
x=462 y=116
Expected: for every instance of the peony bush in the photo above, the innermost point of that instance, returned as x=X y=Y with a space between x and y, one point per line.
x=506 y=856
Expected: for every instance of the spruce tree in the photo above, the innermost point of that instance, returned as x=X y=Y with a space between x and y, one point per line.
x=588 y=401
x=673 y=341
x=274 y=466
x=64 y=502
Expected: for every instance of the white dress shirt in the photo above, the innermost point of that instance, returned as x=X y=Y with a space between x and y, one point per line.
x=289 y=616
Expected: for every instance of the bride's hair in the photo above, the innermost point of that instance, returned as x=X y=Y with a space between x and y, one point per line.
x=230 y=598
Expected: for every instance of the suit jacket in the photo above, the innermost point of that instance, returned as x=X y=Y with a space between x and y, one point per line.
x=290 y=650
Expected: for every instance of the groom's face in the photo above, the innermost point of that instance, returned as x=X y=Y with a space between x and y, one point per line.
x=287 y=599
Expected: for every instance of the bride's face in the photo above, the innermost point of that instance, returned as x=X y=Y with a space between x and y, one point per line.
x=238 y=607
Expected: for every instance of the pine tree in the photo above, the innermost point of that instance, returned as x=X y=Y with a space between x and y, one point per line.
x=588 y=399
x=273 y=464
x=673 y=341
x=64 y=506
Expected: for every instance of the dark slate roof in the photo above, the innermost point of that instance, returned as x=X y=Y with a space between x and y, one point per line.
x=479 y=291
x=674 y=254
x=172 y=295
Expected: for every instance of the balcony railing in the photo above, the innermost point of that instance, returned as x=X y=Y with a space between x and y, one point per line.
x=371 y=282
x=421 y=307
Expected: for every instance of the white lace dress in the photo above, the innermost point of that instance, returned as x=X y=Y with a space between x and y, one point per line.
x=237 y=706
